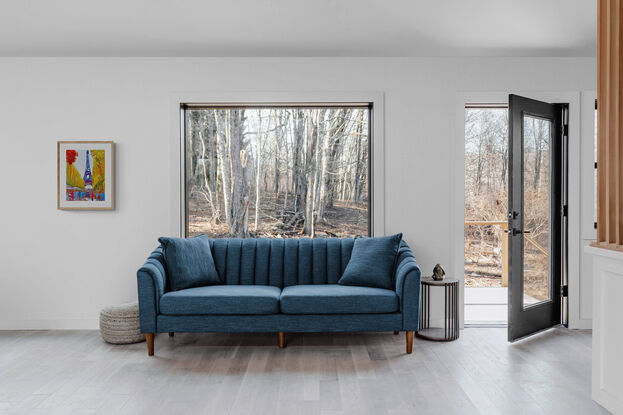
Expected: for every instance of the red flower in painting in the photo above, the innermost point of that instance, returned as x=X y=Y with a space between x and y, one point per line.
x=71 y=156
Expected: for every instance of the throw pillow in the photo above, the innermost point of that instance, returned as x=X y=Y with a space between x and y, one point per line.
x=372 y=262
x=189 y=262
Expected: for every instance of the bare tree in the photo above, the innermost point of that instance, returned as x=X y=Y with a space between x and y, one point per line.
x=311 y=171
x=239 y=158
x=258 y=161
x=222 y=138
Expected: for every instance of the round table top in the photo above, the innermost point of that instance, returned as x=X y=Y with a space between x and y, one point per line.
x=445 y=281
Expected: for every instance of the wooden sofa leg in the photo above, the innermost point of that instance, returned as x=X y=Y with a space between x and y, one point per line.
x=396 y=332
x=171 y=334
x=282 y=340
x=409 y=341
x=150 y=343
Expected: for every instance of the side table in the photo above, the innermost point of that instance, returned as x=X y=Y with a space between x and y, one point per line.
x=450 y=330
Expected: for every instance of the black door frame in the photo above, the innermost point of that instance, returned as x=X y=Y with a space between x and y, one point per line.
x=524 y=321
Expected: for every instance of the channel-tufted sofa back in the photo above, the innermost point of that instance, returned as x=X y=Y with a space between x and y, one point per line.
x=278 y=262
x=281 y=262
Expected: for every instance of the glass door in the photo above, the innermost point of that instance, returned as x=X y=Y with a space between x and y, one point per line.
x=535 y=215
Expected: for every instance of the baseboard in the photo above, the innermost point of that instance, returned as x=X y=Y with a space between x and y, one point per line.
x=581 y=324
x=51 y=324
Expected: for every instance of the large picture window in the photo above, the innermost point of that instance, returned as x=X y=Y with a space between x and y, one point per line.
x=277 y=171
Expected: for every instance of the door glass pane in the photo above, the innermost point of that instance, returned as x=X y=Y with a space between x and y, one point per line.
x=536 y=182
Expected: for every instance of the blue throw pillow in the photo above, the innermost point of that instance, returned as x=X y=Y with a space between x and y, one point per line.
x=189 y=262
x=372 y=262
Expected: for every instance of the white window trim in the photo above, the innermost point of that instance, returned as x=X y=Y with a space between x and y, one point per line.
x=377 y=163
x=589 y=232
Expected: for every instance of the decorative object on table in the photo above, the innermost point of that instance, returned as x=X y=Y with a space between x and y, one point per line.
x=120 y=324
x=450 y=330
x=438 y=273
x=85 y=175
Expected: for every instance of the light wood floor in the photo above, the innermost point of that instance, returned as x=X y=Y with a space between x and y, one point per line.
x=52 y=372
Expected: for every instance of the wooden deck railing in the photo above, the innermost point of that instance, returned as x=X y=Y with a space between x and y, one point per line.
x=504 y=226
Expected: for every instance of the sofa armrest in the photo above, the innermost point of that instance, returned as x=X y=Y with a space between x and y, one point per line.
x=408 y=278
x=152 y=284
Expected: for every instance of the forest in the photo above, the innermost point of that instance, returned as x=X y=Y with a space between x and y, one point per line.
x=486 y=198
x=277 y=171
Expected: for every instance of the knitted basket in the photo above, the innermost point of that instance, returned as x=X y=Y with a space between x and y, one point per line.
x=120 y=324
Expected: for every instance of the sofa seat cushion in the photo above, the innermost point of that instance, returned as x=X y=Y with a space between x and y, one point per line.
x=222 y=299
x=337 y=299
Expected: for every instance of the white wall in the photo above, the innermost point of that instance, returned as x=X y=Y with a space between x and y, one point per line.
x=59 y=268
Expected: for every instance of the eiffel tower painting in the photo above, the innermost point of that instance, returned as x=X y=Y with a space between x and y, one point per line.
x=83 y=169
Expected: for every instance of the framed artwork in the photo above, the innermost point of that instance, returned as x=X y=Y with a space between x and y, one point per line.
x=85 y=175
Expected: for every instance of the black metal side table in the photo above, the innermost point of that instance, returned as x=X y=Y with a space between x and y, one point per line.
x=450 y=330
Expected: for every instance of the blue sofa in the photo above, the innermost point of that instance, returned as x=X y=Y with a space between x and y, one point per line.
x=279 y=285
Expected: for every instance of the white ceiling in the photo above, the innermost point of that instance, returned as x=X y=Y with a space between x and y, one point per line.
x=298 y=28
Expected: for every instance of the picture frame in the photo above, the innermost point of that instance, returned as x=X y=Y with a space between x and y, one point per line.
x=85 y=175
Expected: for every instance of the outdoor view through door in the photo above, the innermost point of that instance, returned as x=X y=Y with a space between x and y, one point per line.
x=277 y=171
x=536 y=190
x=486 y=201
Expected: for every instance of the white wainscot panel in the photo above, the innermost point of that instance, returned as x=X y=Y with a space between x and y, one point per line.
x=607 y=376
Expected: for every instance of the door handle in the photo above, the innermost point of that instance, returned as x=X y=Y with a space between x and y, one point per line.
x=515 y=231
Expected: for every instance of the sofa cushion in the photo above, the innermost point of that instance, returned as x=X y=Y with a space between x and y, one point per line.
x=222 y=299
x=189 y=262
x=337 y=299
x=372 y=262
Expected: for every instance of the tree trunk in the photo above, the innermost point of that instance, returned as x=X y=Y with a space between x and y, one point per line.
x=324 y=166
x=357 y=178
x=212 y=146
x=312 y=167
x=298 y=127
x=335 y=176
x=240 y=175
x=206 y=181
x=286 y=191
x=538 y=155
x=278 y=144
x=224 y=163
x=258 y=160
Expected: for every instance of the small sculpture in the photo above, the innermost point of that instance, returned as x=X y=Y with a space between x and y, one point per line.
x=438 y=273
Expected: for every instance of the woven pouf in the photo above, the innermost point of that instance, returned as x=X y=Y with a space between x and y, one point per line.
x=119 y=324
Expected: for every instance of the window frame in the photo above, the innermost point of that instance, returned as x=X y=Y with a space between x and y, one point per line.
x=183 y=107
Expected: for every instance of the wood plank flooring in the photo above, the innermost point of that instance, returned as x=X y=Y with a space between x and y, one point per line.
x=67 y=372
